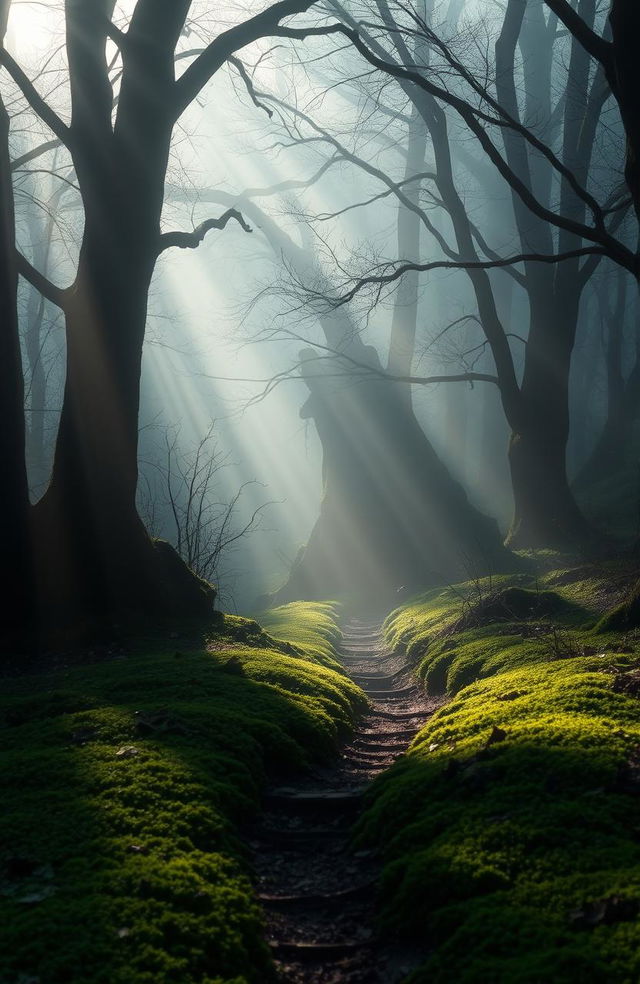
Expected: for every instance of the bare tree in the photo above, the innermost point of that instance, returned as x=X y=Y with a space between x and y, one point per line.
x=560 y=243
x=95 y=551
x=617 y=56
x=180 y=499
x=391 y=513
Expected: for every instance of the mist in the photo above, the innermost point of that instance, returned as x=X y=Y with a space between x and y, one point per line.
x=314 y=154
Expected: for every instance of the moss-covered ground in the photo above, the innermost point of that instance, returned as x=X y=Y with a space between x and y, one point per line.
x=511 y=829
x=123 y=783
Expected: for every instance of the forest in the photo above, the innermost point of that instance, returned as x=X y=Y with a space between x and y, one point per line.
x=320 y=509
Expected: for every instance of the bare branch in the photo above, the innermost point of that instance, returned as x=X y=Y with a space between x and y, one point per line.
x=597 y=47
x=191 y=240
x=244 y=75
x=35 y=100
x=462 y=377
x=476 y=121
x=227 y=44
x=32 y=155
x=382 y=280
x=57 y=295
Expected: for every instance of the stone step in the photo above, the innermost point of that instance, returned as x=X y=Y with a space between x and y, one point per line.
x=316 y=952
x=321 y=799
x=378 y=746
x=391 y=694
x=320 y=898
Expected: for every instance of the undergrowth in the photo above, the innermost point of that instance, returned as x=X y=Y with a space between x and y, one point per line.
x=511 y=829
x=122 y=786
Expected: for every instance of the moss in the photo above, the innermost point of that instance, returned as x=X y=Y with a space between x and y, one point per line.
x=510 y=604
x=509 y=831
x=623 y=617
x=309 y=625
x=122 y=785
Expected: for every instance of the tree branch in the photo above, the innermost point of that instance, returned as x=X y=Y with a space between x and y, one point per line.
x=595 y=45
x=244 y=75
x=191 y=240
x=476 y=121
x=382 y=280
x=32 y=155
x=35 y=100
x=227 y=44
x=57 y=295
x=463 y=377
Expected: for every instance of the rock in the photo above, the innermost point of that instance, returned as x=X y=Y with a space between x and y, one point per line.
x=127 y=751
x=627 y=683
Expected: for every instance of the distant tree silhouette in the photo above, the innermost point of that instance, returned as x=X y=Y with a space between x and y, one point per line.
x=617 y=54
x=559 y=243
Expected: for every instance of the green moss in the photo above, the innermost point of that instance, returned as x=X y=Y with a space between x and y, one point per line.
x=122 y=783
x=623 y=617
x=309 y=625
x=510 y=829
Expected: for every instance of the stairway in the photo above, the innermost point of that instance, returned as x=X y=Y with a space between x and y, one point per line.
x=317 y=890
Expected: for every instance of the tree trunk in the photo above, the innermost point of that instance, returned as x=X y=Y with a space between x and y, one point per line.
x=37 y=387
x=392 y=517
x=35 y=338
x=405 y=310
x=614 y=445
x=16 y=596
x=545 y=511
x=98 y=556
x=623 y=397
x=625 y=31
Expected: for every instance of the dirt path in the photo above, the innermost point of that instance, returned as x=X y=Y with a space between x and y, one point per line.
x=317 y=890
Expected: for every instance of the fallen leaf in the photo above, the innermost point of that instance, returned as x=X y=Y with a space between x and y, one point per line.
x=127 y=751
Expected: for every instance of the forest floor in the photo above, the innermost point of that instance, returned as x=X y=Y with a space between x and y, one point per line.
x=509 y=834
x=451 y=797
x=125 y=773
x=318 y=889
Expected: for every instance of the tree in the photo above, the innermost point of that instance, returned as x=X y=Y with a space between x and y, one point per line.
x=94 y=550
x=559 y=247
x=617 y=56
x=180 y=499
x=16 y=567
x=392 y=515
x=614 y=444
x=42 y=343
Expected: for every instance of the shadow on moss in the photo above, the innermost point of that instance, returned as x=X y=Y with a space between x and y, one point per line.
x=123 y=783
x=509 y=831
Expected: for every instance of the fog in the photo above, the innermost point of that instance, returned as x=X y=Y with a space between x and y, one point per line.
x=226 y=321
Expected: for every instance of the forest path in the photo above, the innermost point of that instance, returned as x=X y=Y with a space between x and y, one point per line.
x=317 y=890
